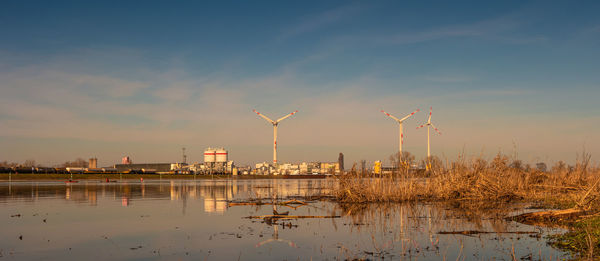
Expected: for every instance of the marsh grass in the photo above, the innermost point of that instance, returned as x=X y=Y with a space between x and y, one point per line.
x=583 y=240
x=478 y=182
x=493 y=186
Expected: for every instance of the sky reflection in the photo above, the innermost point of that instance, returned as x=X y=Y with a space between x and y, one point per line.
x=190 y=220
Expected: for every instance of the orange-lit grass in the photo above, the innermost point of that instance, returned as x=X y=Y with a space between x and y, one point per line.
x=479 y=181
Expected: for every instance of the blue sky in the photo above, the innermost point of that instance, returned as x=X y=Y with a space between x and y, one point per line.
x=108 y=79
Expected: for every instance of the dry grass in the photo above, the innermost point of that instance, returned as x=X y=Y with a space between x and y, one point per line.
x=479 y=185
x=478 y=180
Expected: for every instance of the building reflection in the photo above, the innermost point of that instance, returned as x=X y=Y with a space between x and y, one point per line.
x=215 y=194
x=124 y=201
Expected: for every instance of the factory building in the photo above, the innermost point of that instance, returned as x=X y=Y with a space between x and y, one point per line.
x=145 y=167
x=304 y=168
x=216 y=161
x=330 y=168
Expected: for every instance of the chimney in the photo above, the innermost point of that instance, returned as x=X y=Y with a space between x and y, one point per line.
x=341 y=162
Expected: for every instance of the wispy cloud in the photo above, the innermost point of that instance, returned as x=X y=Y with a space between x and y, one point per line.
x=450 y=78
x=587 y=33
x=43 y=82
x=507 y=28
x=174 y=107
x=499 y=28
x=314 y=22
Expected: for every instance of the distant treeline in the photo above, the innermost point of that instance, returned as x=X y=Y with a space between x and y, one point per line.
x=77 y=163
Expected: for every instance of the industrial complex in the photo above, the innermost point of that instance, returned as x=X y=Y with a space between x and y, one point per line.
x=216 y=161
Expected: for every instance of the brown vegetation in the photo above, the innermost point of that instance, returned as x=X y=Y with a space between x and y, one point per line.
x=479 y=185
x=499 y=181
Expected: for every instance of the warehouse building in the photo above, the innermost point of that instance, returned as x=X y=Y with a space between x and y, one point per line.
x=158 y=167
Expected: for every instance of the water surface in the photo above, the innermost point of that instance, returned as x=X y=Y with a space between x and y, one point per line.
x=192 y=220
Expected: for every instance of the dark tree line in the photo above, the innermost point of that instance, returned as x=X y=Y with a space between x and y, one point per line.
x=79 y=162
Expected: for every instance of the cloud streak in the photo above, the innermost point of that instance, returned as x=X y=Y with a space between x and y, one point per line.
x=315 y=22
x=173 y=108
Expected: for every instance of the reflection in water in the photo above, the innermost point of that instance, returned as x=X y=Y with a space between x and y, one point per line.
x=191 y=220
x=275 y=238
x=215 y=193
x=414 y=229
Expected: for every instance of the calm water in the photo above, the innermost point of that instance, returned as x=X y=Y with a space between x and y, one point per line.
x=191 y=220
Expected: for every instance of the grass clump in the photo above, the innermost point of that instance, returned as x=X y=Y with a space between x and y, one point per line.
x=583 y=239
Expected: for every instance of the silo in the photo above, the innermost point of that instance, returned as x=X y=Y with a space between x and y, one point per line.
x=221 y=155
x=209 y=155
x=93 y=163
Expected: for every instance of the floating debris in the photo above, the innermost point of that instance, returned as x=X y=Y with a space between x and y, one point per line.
x=260 y=203
x=280 y=213
x=475 y=232
x=549 y=218
x=287 y=217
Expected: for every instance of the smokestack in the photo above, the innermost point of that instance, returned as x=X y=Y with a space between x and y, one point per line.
x=341 y=162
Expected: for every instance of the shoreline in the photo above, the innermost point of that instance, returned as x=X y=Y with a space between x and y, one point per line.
x=28 y=176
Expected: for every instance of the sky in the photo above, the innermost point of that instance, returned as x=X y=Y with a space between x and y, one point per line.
x=108 y=79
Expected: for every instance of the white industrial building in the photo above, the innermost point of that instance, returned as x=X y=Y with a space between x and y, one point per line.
x=304 y=168
x=216 y=161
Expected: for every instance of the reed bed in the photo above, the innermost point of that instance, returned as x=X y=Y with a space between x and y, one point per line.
x=499 y=180
x=481 y=185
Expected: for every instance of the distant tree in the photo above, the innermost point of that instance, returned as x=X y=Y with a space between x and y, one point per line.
x=7 y=164
x=402 y=163
x=29 y=163
x=560 y=167
x=527 y=167
x=583 y=162
x=408 y=158
x=517 y=165
x=541 y=166
x=363 y=167
x=395 y=159
x=436 y=164
x=78 y=163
